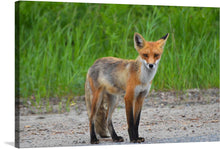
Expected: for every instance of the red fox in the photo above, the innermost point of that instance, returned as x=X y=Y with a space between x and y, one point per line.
x=110 y=77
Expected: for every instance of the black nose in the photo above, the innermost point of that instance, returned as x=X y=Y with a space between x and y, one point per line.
x=151 y=65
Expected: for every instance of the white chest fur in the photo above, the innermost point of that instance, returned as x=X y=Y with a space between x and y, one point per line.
x=142 y=89
x=146 y=74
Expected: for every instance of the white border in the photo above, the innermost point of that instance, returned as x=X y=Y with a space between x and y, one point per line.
x=7 y=70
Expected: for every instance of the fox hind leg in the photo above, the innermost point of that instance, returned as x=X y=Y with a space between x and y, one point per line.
x=96 y=101
x=112 y=103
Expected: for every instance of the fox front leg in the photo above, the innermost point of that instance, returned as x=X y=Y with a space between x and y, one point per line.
x=137 y=114
x=130 y=116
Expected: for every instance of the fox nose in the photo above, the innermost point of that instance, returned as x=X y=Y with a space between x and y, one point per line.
x=151 y=65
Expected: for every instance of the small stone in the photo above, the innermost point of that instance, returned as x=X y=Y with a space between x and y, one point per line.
x=40 y=117
x=172 y=106
x=83 y=141
x=29 y=141
x=27 y=126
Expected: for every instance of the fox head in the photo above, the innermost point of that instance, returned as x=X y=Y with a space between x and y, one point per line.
x=150 y=52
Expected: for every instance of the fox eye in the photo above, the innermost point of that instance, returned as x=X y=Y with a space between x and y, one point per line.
x=145 y=55
x=156 y=55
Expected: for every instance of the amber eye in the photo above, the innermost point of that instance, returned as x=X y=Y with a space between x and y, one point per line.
x=145 y=55
x=156 y=55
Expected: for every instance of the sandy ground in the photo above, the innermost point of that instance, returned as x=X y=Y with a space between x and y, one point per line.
x=167 y=117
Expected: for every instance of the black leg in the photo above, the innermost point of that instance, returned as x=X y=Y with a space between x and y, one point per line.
x=112 y=103
x=137 y=124
x=94 y=107
x=131 y=128
x=139 y=139
x=93 y=138
x=137 y=114
x=114 y=136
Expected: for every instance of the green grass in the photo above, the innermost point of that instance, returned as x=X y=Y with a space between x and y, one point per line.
x=58 y=42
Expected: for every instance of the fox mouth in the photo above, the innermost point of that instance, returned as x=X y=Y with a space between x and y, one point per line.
x=149 y=66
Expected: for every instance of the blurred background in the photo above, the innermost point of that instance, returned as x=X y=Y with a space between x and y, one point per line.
x=56 y=43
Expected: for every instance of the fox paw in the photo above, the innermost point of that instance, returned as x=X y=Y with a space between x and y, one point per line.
x=118 y=139
x=94 y=141
x=138 y=140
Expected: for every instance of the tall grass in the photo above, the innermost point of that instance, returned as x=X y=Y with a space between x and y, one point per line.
x=58 y=42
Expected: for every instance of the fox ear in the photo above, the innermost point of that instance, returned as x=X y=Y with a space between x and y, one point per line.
x=138 y=41
x=162 y=40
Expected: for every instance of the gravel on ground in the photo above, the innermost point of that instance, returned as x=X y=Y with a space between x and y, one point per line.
x=167 y=117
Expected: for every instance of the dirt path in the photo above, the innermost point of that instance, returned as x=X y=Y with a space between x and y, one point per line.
x=166 y=117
